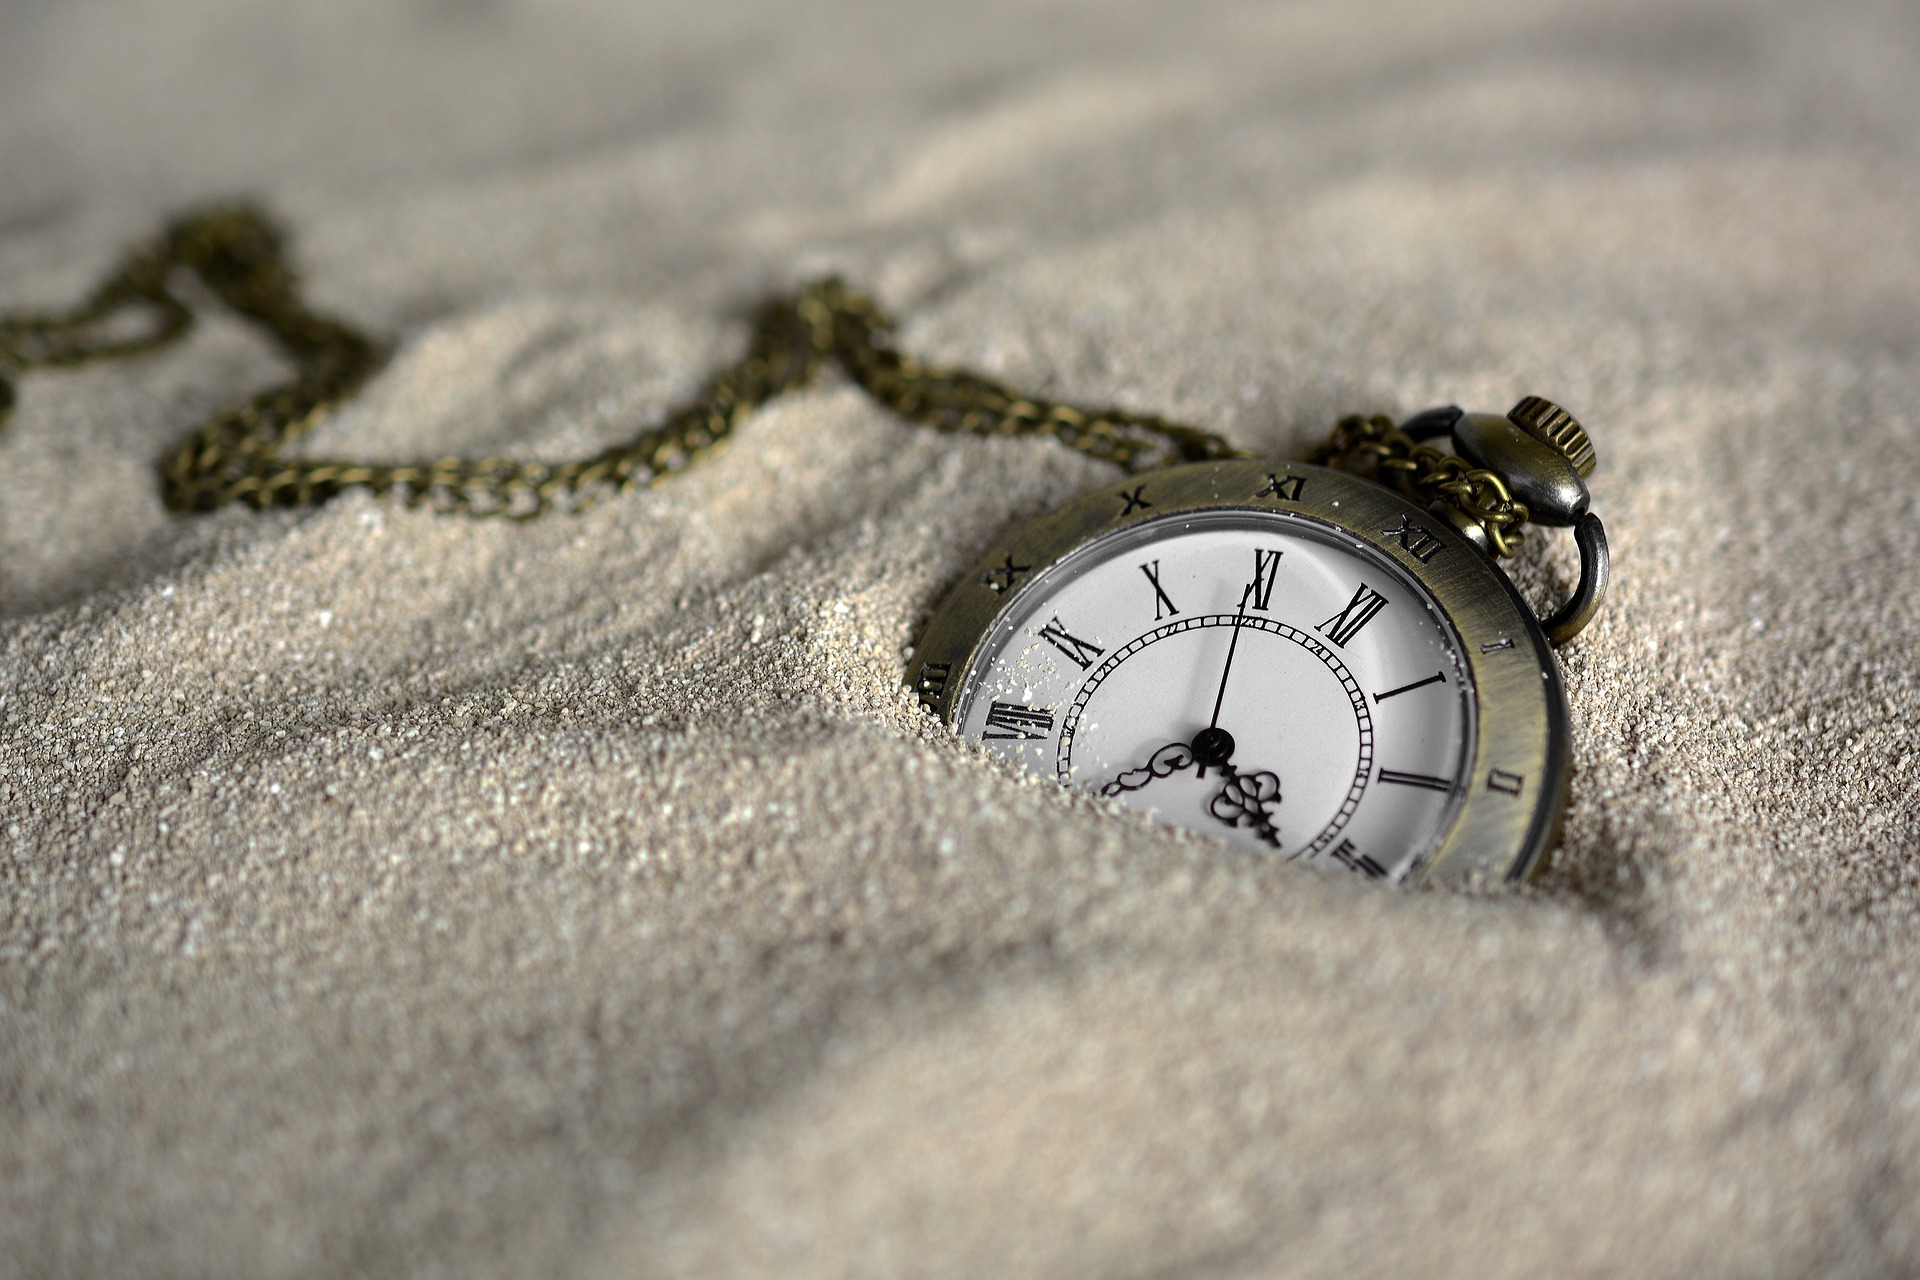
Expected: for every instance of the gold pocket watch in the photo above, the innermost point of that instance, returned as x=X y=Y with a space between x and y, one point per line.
x=1315 y=662
x=1293 y=658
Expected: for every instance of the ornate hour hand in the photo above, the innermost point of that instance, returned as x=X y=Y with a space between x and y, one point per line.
x=1246 y=799
x=1249 y=800
x=1164 y=763
x=1211 y=747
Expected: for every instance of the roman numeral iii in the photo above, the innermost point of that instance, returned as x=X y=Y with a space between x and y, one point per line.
x=1345 y=625
x=1083 y=652
x=1015 y=721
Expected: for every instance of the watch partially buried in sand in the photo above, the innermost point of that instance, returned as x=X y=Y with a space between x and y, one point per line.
x=1319 y=661
x=1293 y=658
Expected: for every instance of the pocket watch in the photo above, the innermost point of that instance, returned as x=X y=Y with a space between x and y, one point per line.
x=1293 y=658
x=1320 y=661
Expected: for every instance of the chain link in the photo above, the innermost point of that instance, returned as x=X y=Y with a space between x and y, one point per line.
x=1375 y=447
x=238 y=256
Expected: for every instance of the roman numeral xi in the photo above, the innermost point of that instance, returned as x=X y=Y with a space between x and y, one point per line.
x=1345 y=625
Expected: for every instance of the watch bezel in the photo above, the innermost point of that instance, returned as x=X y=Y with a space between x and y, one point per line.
x=1521 y=711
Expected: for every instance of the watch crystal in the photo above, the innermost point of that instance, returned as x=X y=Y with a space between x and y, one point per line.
x=1255 y=676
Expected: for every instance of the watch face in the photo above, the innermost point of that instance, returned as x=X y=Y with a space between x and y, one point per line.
x=1257 y=676
x=1292 y=659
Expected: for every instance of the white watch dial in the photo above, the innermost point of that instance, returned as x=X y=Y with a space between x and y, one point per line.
x=1250 y=675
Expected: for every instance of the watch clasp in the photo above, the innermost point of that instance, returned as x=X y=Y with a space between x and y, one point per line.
x=1544 y=456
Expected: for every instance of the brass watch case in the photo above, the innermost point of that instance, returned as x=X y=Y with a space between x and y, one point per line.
x=1509 y=816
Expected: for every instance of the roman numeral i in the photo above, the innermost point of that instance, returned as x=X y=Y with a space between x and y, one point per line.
x=1424 y=780
x=1345 y=625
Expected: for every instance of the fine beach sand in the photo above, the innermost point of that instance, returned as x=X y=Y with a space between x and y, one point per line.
x=383 y=893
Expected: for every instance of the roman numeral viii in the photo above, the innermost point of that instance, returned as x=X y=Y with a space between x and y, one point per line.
x=1015 y=721
x=1345 y=625
x=1083 y=652
x=1259 y=592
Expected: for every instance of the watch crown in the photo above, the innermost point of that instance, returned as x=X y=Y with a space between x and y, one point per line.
x=1553 y=426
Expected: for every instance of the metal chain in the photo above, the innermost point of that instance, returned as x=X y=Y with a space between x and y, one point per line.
x=238 y=256
x=1374 y=446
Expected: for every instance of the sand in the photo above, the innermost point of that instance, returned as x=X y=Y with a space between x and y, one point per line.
x=384 y=893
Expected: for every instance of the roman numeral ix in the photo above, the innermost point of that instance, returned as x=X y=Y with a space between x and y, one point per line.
x=1083 y=652
x=1259 y=592
x=1345 y=625
x=1016 y=721
x=933 y=679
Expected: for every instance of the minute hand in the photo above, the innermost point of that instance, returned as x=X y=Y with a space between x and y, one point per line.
x=1214 y=745
x=1219 y=698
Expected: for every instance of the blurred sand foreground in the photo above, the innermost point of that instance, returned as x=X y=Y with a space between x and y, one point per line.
x=389 y=894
